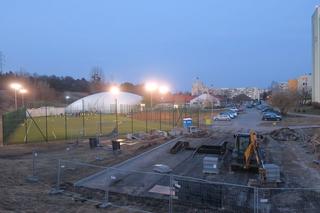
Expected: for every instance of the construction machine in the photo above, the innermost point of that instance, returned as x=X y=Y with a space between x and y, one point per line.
x=247 y=156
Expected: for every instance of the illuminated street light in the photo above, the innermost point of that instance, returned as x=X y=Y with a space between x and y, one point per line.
x=22 y=91
x=16 y=87
x=163 y=89
x=115 y=91
x=151 y=87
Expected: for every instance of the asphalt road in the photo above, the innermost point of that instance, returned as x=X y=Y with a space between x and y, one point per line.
x=122 y=178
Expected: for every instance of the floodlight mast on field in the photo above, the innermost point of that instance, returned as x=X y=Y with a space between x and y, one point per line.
x=115 y=91
x=16 y=87
x=67 y=99
x=65 y=118
x=22 y=92
x=163 y=90
x=151 y=87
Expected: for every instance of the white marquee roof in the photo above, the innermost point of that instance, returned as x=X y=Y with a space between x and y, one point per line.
x=104 y=101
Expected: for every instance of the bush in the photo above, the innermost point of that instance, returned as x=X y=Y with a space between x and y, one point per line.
x=284 y=101
x=316 y=105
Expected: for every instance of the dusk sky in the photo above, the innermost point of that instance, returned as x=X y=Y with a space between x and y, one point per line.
x=224 y=43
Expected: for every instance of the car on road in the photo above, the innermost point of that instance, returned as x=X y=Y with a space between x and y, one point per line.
x=235 y=109
x=234 y=113
x=272 y=111
x=231 y=115
x=271 y=117
x=222 y=117
x=161 y=168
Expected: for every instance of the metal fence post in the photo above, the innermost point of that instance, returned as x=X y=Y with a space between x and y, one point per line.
x=58 y=177
x=100 y=127
x=146 y=111
x=26 y=130
x=173 y=116
x=83 y=131
x=132 y=121
x=256 y=200
x=33 y=177
x=199 y=118
x=106 y=202
x=160 y=116
x=46 y=124
x=171 y=192
x=65 y=126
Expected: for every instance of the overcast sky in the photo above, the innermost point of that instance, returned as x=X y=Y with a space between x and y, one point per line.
x=224 y=43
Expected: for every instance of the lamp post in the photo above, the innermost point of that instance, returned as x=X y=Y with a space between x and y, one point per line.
x=115 y=91
x=22 y=92
x=67 y=99
x=65 y=118
x=16 y=87
x=163 y=90
x=151 y=87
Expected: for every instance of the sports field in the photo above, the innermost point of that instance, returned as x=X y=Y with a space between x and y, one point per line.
x=37 y=129
x=34 y=130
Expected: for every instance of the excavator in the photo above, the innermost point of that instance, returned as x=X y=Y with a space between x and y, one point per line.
x=247 y=155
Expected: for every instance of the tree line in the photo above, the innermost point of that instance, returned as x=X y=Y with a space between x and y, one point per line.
x=52 y=88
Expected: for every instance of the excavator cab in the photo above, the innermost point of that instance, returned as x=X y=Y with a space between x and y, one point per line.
x=246 y=154
x=242 y=141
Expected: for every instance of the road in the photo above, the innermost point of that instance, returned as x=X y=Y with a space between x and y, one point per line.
x=121 y=178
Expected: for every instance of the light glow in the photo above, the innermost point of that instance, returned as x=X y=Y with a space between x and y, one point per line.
x=23 y=91
x=151 y=86
x=15 y=86
x=163 y=89
x=114 y=90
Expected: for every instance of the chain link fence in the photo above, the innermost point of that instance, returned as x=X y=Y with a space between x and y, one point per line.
x=136 y=191
x=155 y=192
x=49 y=123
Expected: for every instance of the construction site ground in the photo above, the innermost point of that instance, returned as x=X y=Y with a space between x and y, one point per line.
x=297 y=160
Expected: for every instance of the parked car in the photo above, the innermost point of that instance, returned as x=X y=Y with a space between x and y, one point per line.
x=272 y=111
x=222 y=117
x=271 y=117
x=249 y=106
x=231 y=115
x=234 y=113
x=233 y=109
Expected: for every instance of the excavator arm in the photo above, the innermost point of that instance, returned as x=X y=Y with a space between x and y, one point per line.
x=251 y=149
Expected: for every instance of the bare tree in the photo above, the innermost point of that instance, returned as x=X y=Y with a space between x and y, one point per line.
x=96 y=79
x=284 y=100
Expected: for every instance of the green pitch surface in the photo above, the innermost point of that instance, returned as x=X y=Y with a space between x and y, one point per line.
x=56 y=128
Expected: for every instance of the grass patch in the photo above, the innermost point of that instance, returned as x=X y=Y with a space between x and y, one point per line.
x=93 y=124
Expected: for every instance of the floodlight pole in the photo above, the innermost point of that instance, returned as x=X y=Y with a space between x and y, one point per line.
x=15 y=99
x=117 y=125
x=22 y=99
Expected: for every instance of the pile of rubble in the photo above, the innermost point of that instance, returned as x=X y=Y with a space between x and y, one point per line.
x=286 y=134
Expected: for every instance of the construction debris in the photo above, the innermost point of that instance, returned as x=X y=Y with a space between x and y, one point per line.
x=180 y=145
x=210 y=165
x=286 y=134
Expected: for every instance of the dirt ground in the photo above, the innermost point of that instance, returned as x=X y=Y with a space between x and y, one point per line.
x=291 y=120
x=295 y=158
x=19 y=195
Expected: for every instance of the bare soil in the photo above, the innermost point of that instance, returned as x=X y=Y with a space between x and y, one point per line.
x=19 y=195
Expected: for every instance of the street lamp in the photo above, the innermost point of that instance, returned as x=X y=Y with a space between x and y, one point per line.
x=16 y=87
x=115 y=91
x=162 y=90
x=67 y=99
x=151 y=87
x=22 y=92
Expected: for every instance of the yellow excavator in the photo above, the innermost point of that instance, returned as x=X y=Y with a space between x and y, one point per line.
x=247 y=154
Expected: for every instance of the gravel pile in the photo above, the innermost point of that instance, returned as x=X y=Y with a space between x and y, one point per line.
x=286 y=134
